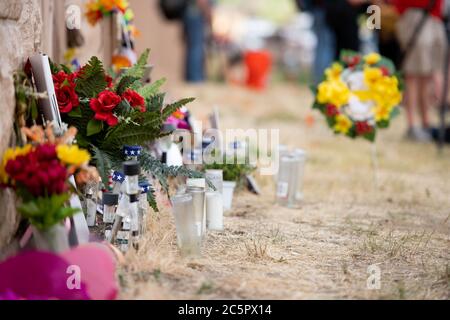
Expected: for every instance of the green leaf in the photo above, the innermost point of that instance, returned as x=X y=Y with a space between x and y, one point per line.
x=45 y=212
x=66 y=69
x=75 y=113
x=171 y=108
x=91 y=79
x=102 y=162
x=150 y=90
x=138 y=70
x=94 y=127
x=125 y=83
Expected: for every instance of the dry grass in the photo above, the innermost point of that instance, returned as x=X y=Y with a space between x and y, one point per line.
x=323 y=249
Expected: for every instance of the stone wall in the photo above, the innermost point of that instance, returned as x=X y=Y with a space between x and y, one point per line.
x=20 y=29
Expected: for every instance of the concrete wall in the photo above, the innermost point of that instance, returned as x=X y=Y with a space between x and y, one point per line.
x=20 y=30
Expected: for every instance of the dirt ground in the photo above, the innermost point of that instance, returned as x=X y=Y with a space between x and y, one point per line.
x=323 y=249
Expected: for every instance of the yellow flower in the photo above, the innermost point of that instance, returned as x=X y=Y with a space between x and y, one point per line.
x=343 y=124
x=372 y=58
x=108 y=5
x=335 y=92
x=371 y=76
x=12 y=154
x=72 y=155
x=382 y=112
x=122 y=4
x=334 y=72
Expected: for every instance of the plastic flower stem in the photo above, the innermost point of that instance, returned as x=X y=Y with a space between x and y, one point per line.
x=375 y=164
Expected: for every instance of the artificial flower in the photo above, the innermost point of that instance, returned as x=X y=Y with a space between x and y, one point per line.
x=109 y=81
x=331 y=110
x=135 y=99
x=334 y=72
x=343 y=124
x=122 y=5
x=38 y=171
x=335 y=92
x=67 y=99
x=72 y=155
x=12 y=154
x=65 y=91
x=107 y=5
x=372 y=58
x=382 y=113
x=372 y=75
x=362 y=127
x=104 y=105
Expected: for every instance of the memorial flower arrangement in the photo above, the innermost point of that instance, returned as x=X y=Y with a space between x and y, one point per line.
x=96 y=10
x=112 y=113
x=359 y=94
x=39 y=171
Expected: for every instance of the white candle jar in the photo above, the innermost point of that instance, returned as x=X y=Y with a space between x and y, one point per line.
x=216 y=178
x=301 y=157
x=198 y=202
x=187 y=234
x=214 y=211
x=287 y=181
x=132 y=169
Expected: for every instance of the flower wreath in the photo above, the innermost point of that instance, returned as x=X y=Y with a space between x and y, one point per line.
x=359 y=94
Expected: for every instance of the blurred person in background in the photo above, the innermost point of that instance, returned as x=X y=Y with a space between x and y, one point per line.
x=342 y=17
x=196 y=23
x=325 y=49
x=422 y=60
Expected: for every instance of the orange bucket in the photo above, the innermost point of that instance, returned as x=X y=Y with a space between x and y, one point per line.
x=258 y=65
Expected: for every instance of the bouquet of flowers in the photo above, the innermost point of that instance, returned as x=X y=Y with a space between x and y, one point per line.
x=112 y=113
x=97 y=9
x=39 y=171
x=359 y=94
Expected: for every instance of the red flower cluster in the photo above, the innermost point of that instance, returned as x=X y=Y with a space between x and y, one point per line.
x=39 y=171
x=135 y=99
x=362 y=128
x=104 y=105
x=352 y=60
x=107 y=101
x=331 y=110
x=65 y=91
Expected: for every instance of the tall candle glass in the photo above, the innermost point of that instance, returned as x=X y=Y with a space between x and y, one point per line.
x=185 y=223
x=287 y=181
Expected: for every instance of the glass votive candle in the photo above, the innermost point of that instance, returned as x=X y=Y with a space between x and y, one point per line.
x=110 y=202
x=216 y=178
x=287 y=181
x=132 y=169
x=118 y=178
x=301 y=157
x=198 y=202
x=196 y=182
x=214 y=211
x=187 y=234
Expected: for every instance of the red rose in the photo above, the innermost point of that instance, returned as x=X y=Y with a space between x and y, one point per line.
x=67 y=99
x=331 y=110
x=135 y=99
x=103 y=106
x=362 y=128
x=108 y=80
x=65 y=91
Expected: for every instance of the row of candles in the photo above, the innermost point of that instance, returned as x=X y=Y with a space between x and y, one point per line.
x=197 y=206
